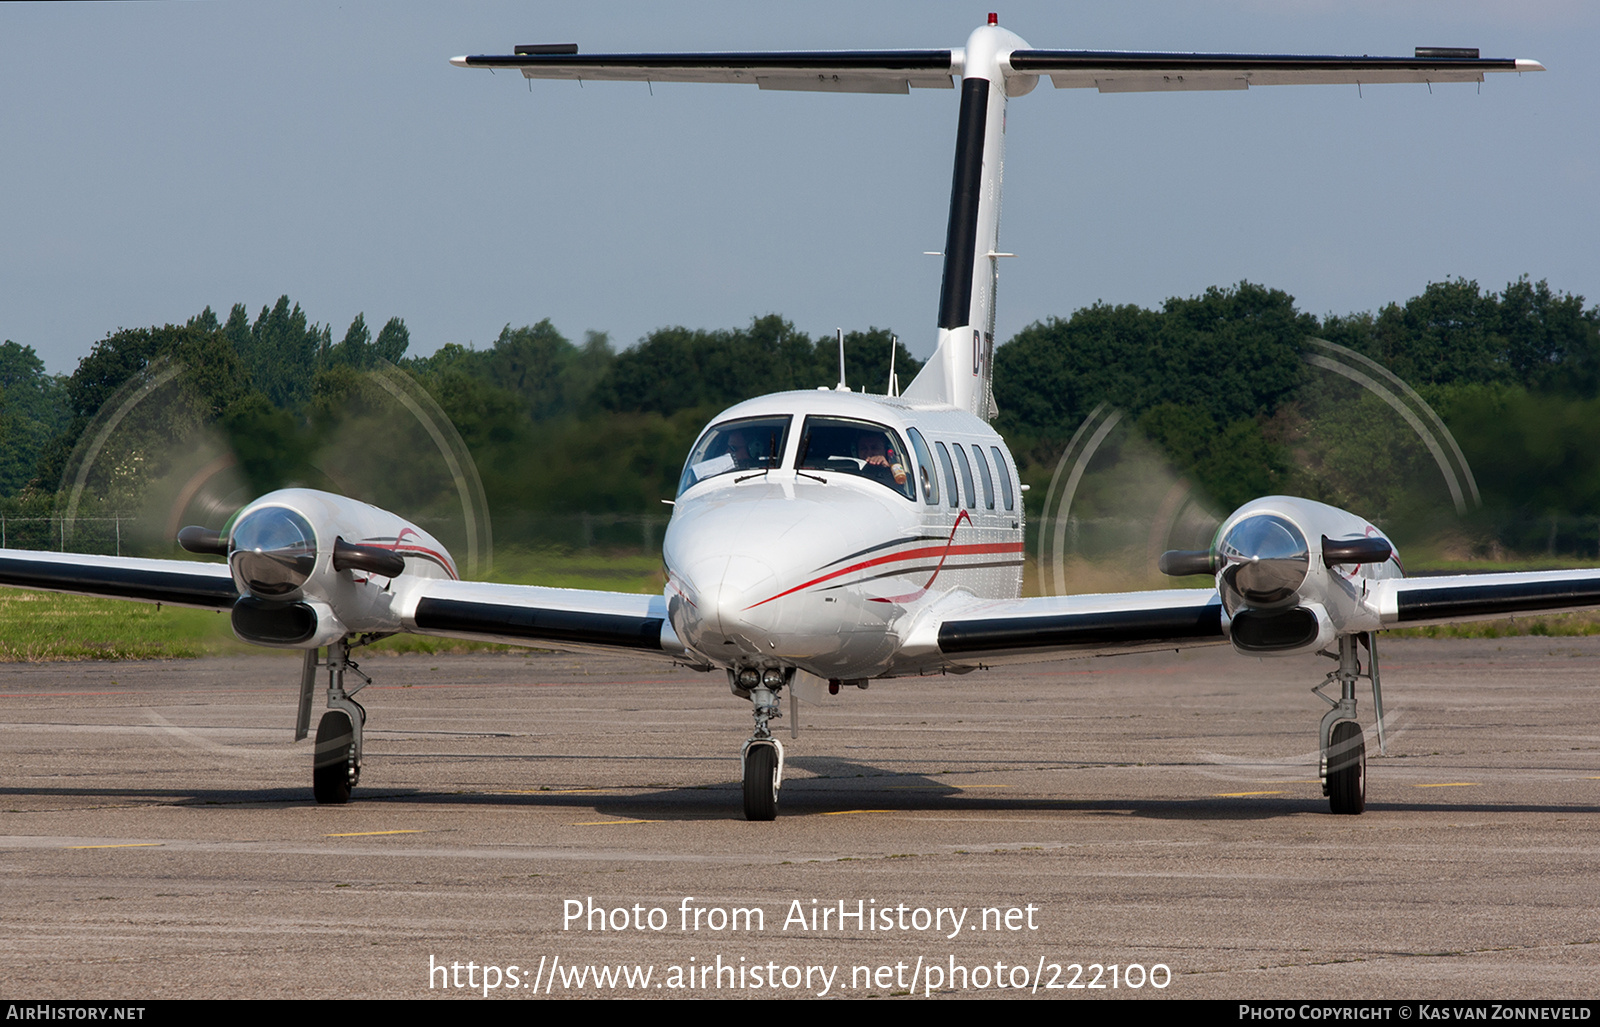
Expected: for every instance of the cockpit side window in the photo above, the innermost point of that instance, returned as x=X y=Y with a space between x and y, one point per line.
x=753 y=444
x=860 y=448
x=925 y=469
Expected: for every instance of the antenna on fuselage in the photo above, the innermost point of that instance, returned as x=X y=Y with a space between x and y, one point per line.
x=894 y=383
x=841 y=387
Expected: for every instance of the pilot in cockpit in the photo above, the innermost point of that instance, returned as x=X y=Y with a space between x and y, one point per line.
x=878 y=465
x=739 y=450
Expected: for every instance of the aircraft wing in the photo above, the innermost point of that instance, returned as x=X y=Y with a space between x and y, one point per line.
x=171 y=582
x=561 y=618
x=1411 y=602
x=1050 y=627
x=1115 y=71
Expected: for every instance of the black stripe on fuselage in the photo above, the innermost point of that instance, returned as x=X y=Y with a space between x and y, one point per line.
x=176 y=588
x=955 y=294
x=1083 y=630
x=577 y=627
x=1492 y=600
x=885 y=545
x=929 y=568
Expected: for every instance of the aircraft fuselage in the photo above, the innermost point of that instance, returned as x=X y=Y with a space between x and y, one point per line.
x=808 y=555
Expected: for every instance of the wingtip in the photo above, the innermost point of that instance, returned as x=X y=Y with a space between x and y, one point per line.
x=460 y=62
x=1527 y=65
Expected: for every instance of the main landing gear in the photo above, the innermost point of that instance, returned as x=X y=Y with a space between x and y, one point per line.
x=762 y=755
x=336 y=766
x=1343 y=766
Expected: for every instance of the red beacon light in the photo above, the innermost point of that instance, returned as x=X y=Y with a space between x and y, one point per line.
x=994 y=19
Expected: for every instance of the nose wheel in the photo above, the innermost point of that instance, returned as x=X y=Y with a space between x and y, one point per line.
x=335 y=769
x=1347 y=769
x=763 y=763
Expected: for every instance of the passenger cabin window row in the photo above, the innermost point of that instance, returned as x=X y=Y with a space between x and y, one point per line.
x=954 y=491
x=840 y=445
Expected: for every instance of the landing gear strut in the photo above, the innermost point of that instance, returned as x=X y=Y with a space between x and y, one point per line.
x=762 y=755
x=1344 y=753
x=336 y=766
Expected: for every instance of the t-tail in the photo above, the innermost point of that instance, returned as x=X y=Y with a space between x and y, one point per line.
x=995 y=65
x=960 y=372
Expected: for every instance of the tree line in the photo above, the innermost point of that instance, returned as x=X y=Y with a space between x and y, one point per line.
x=1218 y=382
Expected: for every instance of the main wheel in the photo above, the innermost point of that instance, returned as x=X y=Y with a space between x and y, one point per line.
x=761 y=783
x=331 y=777
x=1347 y=769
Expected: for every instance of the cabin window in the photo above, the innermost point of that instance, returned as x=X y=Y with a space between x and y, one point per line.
x=966 y=477
x=752 y=444
x=949 y=475
x=861 y=448
x=925 y=469
x=1005 y=477
x=983 y=472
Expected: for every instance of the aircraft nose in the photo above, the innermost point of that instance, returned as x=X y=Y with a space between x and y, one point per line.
x=726 y=589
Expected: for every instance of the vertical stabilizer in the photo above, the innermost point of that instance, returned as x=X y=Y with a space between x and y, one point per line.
x=959 y=373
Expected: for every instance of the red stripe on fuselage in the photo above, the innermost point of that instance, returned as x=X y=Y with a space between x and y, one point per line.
x=944 y=552
x=399 y=546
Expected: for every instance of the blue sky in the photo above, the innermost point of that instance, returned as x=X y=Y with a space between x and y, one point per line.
x=159 y=157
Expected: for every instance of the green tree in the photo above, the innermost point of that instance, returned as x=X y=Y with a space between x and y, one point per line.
x=33 y=410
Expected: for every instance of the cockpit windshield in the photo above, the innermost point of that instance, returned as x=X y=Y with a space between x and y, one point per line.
x=856 y=447
x=753 y=444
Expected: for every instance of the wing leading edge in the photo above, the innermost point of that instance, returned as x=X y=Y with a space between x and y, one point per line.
x=1049 y=627
x=208 y=586
x=1028 y=630
x=1410 y=602
x=532 y=615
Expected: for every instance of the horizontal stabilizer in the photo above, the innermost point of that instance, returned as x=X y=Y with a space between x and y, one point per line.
x=848 y=71
x=1116 y=71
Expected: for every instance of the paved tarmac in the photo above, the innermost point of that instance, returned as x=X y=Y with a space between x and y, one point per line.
x=1157 y=814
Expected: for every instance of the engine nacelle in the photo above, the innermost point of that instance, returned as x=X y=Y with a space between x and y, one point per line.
x=312 y=567
x=1292 y=574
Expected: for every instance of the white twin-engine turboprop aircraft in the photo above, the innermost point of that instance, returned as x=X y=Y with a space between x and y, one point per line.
x=835 y=537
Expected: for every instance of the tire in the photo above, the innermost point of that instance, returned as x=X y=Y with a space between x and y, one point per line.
x=1347 y=769
x=330 y=771
x=761 y=783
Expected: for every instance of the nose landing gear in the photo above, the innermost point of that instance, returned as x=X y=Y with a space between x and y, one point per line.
x=1344 y=753
x=336 y=766
x=762 y=755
